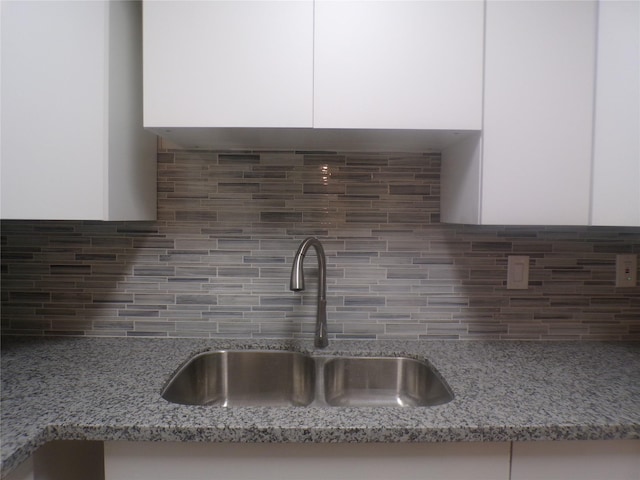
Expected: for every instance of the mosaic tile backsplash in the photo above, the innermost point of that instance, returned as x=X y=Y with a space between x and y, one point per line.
x=217 y=261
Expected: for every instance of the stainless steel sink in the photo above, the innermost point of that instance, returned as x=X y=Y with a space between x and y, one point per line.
x=382 y=382
x=284 y=378
x=244 y=378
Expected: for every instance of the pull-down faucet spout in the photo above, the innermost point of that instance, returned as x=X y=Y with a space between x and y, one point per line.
x=297 y=284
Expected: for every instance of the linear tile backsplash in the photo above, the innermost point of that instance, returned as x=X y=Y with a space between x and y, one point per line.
x=217 y=261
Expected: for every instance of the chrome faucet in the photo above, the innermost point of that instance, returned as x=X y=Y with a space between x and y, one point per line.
x=297 y=284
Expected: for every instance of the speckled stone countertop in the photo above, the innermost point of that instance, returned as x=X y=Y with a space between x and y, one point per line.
x=109 y=389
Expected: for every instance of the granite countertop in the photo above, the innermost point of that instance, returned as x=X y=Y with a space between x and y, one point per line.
x=109 y=389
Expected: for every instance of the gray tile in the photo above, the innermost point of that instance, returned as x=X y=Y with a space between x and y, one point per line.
x=217 y=262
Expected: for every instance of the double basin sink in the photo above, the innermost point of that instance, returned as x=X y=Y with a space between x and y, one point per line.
x=243 y=378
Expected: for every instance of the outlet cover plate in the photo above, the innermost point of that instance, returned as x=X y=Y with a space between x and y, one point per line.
x=626 y=270
x=518 y=272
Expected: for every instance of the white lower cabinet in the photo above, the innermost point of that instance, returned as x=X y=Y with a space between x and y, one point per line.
x=566 y=460
x=579 y=460
x=193 y=461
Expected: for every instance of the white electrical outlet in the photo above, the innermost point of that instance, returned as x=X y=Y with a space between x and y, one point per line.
x=518 y=272
x=626 y=270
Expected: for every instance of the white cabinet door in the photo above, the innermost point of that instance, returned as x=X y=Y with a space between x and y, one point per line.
x=73 y=144
x=228 y=64
x=576 y=460
x=229 y=74
x=424 y=461
x=398 y=64
x=532 y=164
x=538 y=112
x=616 y=165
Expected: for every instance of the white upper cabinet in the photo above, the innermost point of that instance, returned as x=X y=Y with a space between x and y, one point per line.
x=220 y=73
x=561 y=134
x=228 y=64
x=533 y=162
x=552 y=85
x=538 y=117
x=398 y=64
x=616 y=165
x=73 y=143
